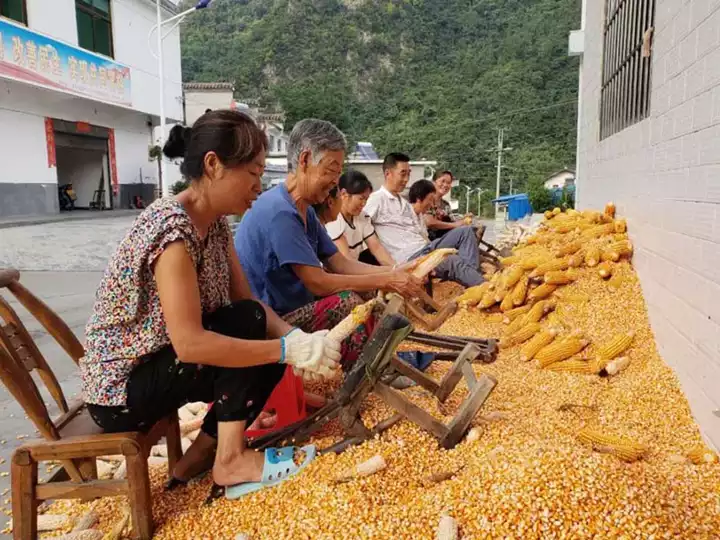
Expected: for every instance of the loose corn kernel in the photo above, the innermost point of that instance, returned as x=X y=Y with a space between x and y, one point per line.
x=625 y=449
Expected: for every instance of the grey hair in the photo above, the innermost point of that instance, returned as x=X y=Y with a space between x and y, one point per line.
x=317 y=136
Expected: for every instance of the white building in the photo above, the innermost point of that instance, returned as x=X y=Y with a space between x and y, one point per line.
x=201 y=96
x=560 y=179
x=649 y=140
x=79 y=94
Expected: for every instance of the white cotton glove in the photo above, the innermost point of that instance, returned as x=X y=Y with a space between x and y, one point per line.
x=313 y=353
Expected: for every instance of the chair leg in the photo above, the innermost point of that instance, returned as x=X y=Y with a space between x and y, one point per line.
x=139 y=493
x=24 y=472
x=173 y=441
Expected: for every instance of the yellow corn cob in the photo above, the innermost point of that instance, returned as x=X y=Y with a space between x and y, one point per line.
x=509 y=261
x=513 y=275
x=538 y=341
x=605 y=270
x=576 y=260
x=556 y=211
x=516 y=313
x=568 y=249
x=615 y=366
x=620 y=237
x=534 y=314
x=572 y=212
x=592 y=216
x=565 y=227
x=521 y=336
x=623 y=248
x=555 y=321
x=549 y=215
x=496 y=317
x=551 y=266
x=344 y=329
x=507 y=303
x=615 y=347
x=701 y=455
x=428 y=263
x=560 y=350
x=559 y=277
x=520 y=291
x=488 y=300
x=592 y=256
x=620 y=226
x=531 y=263
x=542 y=291
x=615 y=282
x=610 y=209
x=625 y=449
x=574 y=298
x=598 y=230
x=570 y=366
x=501 y=293
x=609 y=255
x=473 y=295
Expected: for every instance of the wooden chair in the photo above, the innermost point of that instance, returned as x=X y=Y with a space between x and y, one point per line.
x=73 y=439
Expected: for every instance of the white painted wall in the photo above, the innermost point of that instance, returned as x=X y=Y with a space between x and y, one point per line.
x=23 y=152
x=559 y=180
x=54 y=18
x=132 y=21
x=198 y=101
x=664 y=176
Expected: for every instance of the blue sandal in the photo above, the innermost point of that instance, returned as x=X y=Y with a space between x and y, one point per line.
x=278 y=467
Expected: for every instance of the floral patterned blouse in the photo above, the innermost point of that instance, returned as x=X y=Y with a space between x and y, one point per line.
x=127 y=322
x=441 y=210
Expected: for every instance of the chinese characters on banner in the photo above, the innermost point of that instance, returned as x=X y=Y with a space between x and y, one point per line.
x=50 y=139
x=113 y=162
x=37 y=59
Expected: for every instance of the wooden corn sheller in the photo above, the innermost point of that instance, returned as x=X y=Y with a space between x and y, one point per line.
x=377 y=361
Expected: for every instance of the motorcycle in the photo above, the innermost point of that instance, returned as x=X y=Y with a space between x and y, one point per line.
x=67 y=197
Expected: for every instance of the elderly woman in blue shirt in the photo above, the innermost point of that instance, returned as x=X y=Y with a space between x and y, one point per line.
x=288 y=257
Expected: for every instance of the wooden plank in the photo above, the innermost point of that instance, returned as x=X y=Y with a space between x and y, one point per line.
x=92 y=489
x=82 y=447
x=458 y=426
x=469 y=374
x=427 y=382
x=24 y=478
x=452 y=377
x=410 y=411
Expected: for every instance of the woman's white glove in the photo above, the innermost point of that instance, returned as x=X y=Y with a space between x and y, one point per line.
x=313 y=353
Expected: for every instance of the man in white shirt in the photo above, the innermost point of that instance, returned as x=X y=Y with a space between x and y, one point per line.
x=401 y=227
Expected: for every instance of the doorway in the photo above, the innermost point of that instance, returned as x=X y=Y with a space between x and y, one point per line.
x=83 y=163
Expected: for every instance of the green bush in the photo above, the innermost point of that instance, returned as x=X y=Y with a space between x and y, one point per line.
x=540 y=197
x=567 y=200
x=179 y=187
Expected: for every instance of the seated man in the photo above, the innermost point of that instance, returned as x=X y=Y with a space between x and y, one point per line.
x=290 y=261
x=401 y=228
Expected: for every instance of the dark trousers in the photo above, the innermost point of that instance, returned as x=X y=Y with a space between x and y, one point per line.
x=161 y=383
x=368 y=258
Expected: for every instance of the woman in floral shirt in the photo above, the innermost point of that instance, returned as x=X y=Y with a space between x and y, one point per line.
x=438 y=219
x=174 y=319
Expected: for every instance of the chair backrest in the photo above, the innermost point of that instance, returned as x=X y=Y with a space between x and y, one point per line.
x=19 y=354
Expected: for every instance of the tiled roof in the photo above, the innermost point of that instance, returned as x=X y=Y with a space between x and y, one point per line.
x=208 y=86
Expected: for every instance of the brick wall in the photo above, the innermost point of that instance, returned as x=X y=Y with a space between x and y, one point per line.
x=664 y=175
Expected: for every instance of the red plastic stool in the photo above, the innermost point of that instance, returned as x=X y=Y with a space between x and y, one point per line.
x=288 y=402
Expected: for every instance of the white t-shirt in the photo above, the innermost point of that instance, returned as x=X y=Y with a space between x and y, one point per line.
x=399 y=228
x=355 y=232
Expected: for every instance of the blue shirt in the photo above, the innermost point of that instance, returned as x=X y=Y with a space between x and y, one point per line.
x=270 y=239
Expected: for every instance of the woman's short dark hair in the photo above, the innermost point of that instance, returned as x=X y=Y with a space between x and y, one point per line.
x=323 y=207
x=420 y=190
x=440 y=174
x=232 y=135
x=355 y=183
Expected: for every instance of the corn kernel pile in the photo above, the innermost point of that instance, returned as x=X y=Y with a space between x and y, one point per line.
x=563 y=452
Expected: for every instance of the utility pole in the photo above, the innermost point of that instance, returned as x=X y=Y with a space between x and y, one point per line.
x=500 y=150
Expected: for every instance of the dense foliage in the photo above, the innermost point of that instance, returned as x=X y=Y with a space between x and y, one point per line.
x=434 y=78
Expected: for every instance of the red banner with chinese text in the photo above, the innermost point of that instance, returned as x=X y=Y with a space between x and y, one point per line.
x=50 y=140
x=113 y=162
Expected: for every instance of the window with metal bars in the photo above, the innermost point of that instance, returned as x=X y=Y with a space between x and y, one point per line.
x=14 y=9
x=626 y=71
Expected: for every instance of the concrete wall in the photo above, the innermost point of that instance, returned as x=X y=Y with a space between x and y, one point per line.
x=198 y=101
x=664 y=175
x=375 y=174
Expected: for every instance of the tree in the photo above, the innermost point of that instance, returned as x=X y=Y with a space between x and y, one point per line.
x=541 y=198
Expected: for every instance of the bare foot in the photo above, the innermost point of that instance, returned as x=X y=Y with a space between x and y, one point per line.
x=198 y=458
x=245 y=466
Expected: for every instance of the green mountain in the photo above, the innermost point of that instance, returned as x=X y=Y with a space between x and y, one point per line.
x=433 y=78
